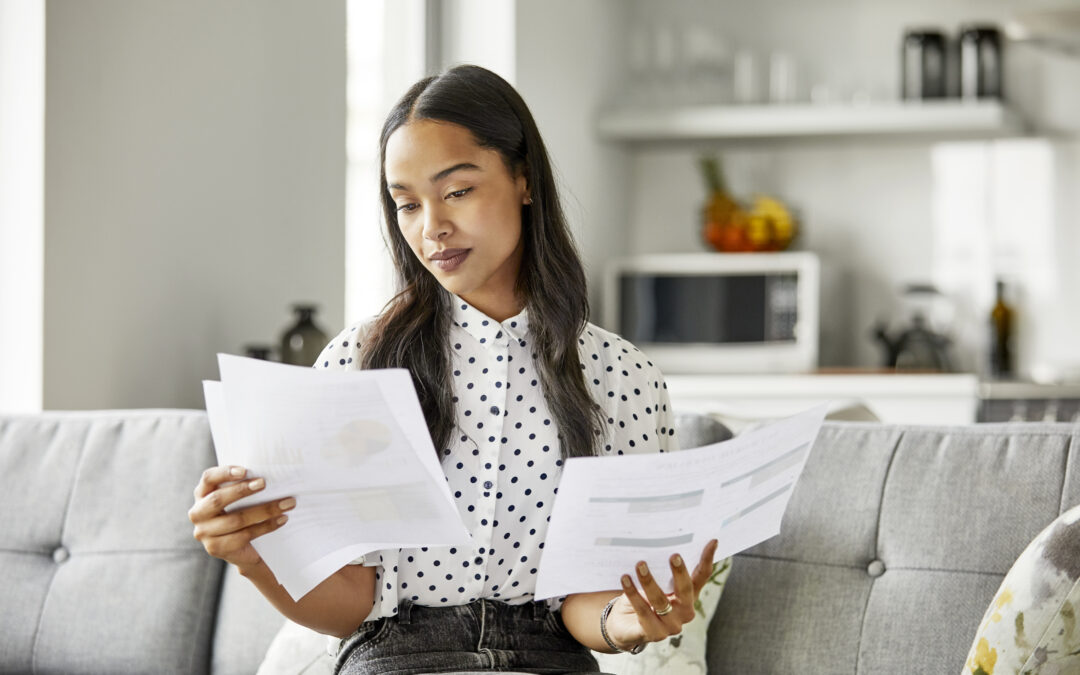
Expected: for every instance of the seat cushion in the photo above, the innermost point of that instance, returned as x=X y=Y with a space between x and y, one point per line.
x=101 y=573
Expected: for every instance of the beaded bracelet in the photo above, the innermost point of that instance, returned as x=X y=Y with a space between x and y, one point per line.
x=637 y=649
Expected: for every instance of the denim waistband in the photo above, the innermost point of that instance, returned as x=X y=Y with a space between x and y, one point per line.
x=482 y=635
x=538 y=611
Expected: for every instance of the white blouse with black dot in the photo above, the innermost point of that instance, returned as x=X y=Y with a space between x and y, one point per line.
x=503 y=464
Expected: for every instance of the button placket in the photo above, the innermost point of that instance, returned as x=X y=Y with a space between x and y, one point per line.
x=499 y=397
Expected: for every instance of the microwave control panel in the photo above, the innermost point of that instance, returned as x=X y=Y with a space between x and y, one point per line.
x=782 y=308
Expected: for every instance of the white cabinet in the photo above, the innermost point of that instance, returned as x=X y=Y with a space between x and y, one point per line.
x=738 y=400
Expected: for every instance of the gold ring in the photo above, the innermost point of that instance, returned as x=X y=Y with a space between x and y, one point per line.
x=665 y=611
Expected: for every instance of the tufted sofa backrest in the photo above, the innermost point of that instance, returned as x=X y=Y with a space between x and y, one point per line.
x=893 y=544
x=100 y=571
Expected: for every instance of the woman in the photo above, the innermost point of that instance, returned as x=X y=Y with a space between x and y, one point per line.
x=491 y=320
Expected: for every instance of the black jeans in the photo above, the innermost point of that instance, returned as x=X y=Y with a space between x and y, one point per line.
x=483 y=635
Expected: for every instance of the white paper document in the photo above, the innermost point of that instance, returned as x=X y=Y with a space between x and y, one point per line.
x=352 y=448
x=612 y=512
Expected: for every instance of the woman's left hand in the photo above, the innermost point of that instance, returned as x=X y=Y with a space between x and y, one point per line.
x=658 y=615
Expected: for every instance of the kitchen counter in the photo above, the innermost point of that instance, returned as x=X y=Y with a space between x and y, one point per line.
x=889 y=397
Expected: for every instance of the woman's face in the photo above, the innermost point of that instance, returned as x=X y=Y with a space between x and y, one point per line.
x=459 y=207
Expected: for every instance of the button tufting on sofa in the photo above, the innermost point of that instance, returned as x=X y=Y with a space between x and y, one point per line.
x=60 y=555
x=951 y=507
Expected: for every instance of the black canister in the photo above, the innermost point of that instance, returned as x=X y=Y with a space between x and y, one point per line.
x=980 y=62
x=923 y=65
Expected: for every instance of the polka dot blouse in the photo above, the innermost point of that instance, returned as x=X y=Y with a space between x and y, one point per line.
x=503 y=463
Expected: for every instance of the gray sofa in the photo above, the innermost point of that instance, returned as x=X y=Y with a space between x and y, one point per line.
x=893 y=545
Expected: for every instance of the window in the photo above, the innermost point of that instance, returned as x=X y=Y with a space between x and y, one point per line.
x=387 y=51
x=22 y=177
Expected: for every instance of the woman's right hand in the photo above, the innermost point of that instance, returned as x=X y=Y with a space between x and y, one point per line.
x=228 y=535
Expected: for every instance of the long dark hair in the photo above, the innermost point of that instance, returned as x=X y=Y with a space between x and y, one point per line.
x=411 y=331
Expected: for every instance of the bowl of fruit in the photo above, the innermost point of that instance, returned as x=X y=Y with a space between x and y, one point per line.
x=729 y=226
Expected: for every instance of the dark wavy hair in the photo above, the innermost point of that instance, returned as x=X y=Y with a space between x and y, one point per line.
x=411 y=332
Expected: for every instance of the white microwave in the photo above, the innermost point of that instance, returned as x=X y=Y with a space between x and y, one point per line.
x=718 y=313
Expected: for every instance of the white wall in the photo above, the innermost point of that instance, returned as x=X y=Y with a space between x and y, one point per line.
x=22 y=121
x=194 y=186
x=568 y=53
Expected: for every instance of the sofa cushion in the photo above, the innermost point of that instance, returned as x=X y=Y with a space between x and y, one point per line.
x=891 y=548
x=246 y=626
x=101 y=571
x=1030 y=626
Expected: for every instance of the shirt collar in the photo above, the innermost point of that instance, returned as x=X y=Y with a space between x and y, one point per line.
x=485 y=329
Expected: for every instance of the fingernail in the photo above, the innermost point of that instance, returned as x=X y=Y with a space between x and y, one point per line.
x=236 y=472
x=676 y=560
x=281 y=520
x=256 y=484
x=627 y=584
x=643 y=569
x=286 y=504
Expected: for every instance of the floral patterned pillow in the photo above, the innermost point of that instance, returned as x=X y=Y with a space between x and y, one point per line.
x=1030 y=627
x=682 y=654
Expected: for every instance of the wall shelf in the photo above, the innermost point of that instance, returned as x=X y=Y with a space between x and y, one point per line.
x=946 y=118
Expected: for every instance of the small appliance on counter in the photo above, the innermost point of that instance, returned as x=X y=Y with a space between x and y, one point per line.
x=921 y=343
x=718 y=312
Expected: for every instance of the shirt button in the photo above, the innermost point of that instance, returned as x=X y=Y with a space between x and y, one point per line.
x=60 y=555
x=494 y=410
x=478 y=560
x=488 y=485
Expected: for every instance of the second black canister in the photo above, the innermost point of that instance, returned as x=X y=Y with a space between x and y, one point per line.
x=980 y=62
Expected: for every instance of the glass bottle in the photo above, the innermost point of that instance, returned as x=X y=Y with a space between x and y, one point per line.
x=302 y=342
x=1001 y=329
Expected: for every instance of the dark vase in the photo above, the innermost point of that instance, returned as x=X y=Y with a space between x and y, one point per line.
x=302 y=342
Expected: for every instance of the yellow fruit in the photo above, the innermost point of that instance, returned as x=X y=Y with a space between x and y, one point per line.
x=772 y=225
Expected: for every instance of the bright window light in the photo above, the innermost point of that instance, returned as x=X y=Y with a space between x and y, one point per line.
x=22 y=186
x=386 y=52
